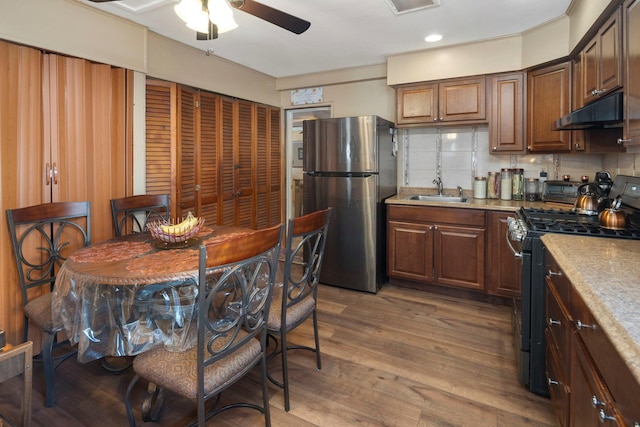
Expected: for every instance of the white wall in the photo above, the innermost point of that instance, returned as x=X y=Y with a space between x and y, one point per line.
x=74 y=29
x=371 y=97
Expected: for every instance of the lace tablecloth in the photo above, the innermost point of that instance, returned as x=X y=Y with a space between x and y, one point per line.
x=122 y=296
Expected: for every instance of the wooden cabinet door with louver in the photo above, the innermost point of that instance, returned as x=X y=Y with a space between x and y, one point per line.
x=217 y=156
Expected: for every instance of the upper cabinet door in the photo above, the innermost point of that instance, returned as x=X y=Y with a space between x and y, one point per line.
x=417 y=103
x=632 y=74
x=548 y=98
x=602 y=62
x=462 y=100
x=506 y=126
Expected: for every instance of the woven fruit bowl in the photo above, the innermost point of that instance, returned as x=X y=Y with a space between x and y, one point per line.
x=180 y=234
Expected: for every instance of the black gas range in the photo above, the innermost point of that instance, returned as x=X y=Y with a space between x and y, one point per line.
x=525 y=230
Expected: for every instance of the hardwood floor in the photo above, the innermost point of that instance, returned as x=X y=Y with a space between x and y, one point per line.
x=398 y=358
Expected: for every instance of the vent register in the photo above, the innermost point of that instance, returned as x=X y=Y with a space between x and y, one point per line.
x=404 y=6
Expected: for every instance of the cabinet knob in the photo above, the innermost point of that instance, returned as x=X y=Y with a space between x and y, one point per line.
x=495 y=148
x=552 y=322
x=595 y=402
x=604 y=417
x=552 y=382
x=577 y=146
x=554 y=273
x=435 y=119
x=581 y=325
x=621 y=141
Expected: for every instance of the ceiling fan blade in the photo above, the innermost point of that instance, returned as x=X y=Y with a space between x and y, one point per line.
x=269 y=14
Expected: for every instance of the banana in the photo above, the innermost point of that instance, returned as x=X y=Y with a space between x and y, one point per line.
x=181 y=228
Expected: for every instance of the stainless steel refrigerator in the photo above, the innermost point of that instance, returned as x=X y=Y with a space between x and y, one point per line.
x=350 y=165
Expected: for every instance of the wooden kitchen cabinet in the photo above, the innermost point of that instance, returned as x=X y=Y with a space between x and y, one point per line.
x=631 y=45
x=504 y=270
x=217 y=156
x=548 y=98
x=66 y=136
x=589 y=383
x=444 y=102
x=602 y=62
x=578 y=143
x=443 y=246
x=594 y=140
x=506 y=127
x=410 y=251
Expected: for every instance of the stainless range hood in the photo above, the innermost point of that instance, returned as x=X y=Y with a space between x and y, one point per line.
x=605 y=112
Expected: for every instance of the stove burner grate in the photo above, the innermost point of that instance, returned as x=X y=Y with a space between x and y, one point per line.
x=570 y=222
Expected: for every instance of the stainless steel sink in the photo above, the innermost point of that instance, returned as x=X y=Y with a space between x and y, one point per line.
x=437 y=198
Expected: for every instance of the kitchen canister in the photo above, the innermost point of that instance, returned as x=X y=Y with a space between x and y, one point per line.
x=480 y=187
x=493 y=185
x=505 y=184
x=532 y=189
x=517 y=184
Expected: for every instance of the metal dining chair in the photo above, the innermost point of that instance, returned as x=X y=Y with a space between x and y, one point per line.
x=295 y=299
x=43 y=236
x=132 y=213
x=234 y=287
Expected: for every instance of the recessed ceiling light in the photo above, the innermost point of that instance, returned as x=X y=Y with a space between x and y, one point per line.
x=433 y=38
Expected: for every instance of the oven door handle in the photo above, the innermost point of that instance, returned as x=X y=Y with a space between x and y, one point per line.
x=515 y=252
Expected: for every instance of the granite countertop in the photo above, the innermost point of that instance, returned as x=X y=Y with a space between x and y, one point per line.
x=487 y=204
x=605 y=272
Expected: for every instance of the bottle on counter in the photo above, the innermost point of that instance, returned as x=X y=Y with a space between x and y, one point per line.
x=493 y=185
x=517 y=184
x=506 y=185
x=480 y=187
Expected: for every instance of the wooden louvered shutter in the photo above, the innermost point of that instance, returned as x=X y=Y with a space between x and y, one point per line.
x=244 y=166
x=160 y=138
x=226 y=163
x=187 y=152
x=262 y=167
x=208 y=193
x=275 y=168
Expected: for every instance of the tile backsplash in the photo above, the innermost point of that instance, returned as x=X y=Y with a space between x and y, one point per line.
x=459 y=154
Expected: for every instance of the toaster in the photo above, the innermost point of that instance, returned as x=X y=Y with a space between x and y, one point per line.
x=560 y=191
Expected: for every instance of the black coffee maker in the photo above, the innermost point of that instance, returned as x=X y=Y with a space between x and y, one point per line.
x=604 y=181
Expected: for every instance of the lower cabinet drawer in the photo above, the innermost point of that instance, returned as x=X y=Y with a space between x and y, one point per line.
x=558 y=386
x=559 y=327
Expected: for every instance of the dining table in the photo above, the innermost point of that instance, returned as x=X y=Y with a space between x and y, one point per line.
x=123 y=296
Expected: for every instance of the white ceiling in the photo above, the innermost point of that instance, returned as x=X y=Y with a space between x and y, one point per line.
x=343 y=33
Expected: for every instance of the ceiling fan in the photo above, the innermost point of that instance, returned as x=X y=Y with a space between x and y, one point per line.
x=277 y=17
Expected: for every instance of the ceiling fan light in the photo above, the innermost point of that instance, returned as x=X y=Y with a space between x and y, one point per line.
x=221 y=14
x=188 y=10
x=199 y=22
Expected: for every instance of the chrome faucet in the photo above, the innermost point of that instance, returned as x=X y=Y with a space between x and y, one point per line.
x=438 y=182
